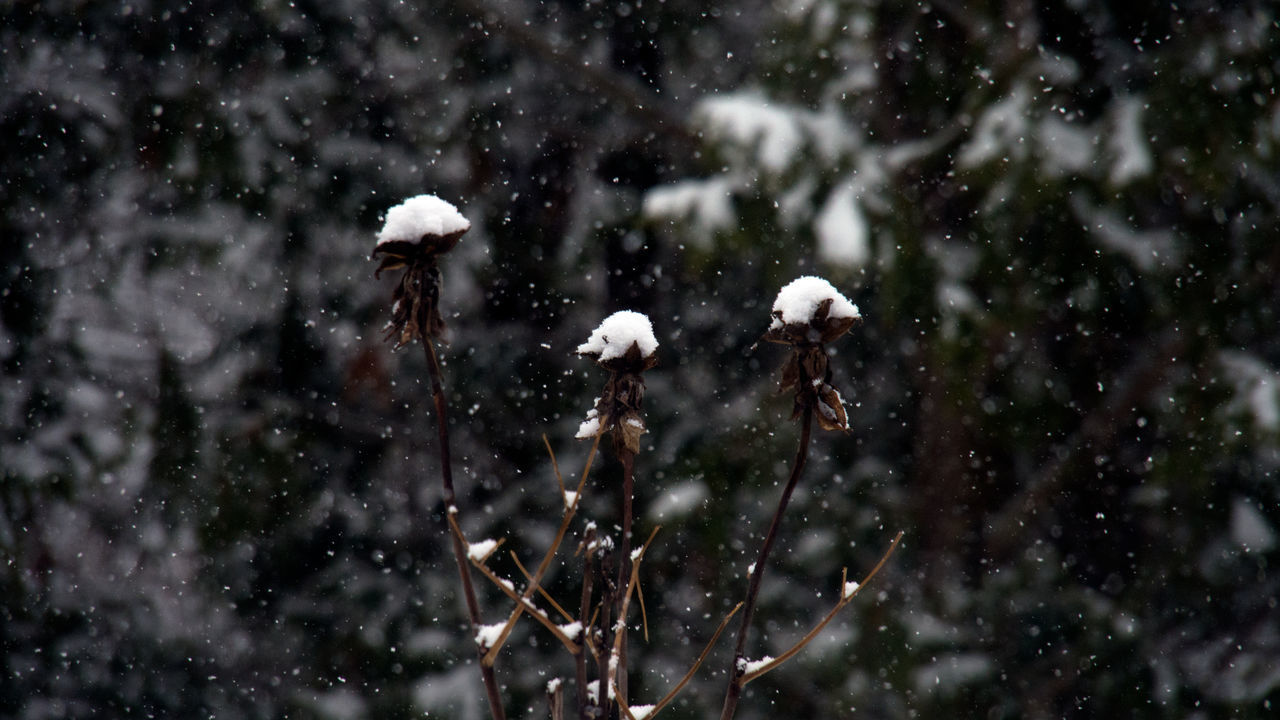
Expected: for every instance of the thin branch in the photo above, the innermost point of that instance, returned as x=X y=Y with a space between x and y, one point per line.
x=555 y=466
x=541 y=590
x=451 y=509
x=846 y=596
x=620 y=635
x=734 y=692
x=666 y=699
x=555 y=699
x=627 y=458
x=509 y=590
x=601 y=616
x=644 y=614
x=580 y=662
x=569 y=510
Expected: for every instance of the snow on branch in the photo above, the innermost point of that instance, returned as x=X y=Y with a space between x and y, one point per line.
x=478 y=551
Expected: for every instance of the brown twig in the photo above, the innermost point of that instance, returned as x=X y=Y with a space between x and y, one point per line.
x=616 y=680
x=847 y=595
x=671 y=695
x=580 y=662
x=555 y=699
x=569 y=510
x=602 y=658
x=541 y=590
x=734 y=693
x=451 y=509
x=509 y=590
x=624 y=565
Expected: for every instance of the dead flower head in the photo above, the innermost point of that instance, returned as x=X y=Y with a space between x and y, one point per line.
x=807 y=314
x=416 y=233
x=625 y=346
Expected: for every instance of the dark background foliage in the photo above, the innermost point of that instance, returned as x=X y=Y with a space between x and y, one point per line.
x=1059 y=219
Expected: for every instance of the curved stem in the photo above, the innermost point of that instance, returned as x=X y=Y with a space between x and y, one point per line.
x=734 y=692
x=846 y=596
x=450 y=503
x=671 y=695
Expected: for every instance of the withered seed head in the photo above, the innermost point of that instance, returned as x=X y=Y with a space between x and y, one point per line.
x=803 y=318
x=417 y=232
x=820 y=328
x=624 y=345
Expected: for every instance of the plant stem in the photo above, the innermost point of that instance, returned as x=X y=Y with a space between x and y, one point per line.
x=450 y=503
x=624 y=566
x=734 y=692
x=584 y=619
x=602 y=657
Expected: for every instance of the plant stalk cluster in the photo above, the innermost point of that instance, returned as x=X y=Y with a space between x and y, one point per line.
x=597 y=634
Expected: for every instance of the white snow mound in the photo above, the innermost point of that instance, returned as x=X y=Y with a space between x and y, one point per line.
x=799 y=299
x=614 y=336
x=422 y=215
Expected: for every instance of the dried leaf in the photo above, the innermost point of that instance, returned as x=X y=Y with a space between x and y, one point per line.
x=830 y=409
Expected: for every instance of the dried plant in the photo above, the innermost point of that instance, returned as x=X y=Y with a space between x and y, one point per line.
x=624 y=345
x=413 y=237
x=808 y=314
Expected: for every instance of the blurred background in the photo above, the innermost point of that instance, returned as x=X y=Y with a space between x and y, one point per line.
x=1060 y=220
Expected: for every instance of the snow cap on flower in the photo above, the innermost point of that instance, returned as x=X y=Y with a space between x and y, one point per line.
x=615 y=337
x=415 y=234
x=423 y=218
x=625 y=346
x=809 y=313
x=809 y=309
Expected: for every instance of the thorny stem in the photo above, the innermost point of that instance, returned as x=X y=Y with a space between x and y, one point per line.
x=734 y=692
x=450 y=503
